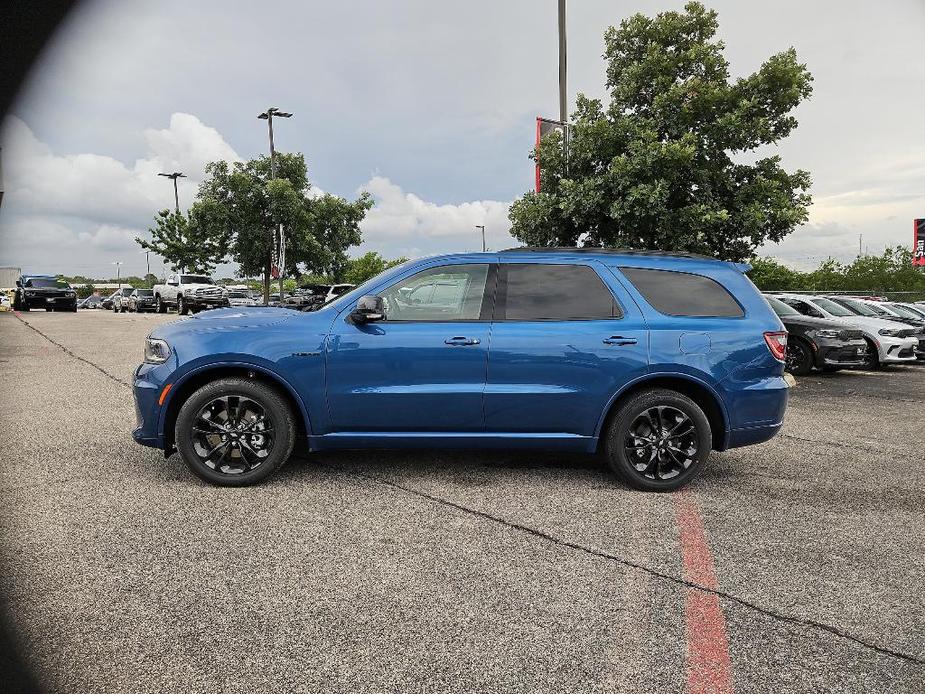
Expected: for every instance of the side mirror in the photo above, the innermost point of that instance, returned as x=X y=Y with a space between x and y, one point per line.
x=368 y=310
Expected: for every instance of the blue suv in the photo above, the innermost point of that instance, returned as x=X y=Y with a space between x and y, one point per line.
x=650 y=358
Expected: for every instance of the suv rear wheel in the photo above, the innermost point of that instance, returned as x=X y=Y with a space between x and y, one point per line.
x=181 y=306
x=235 y=432
x=658 y=440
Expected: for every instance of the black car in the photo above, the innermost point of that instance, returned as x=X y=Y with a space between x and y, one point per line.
x=44 y=291
x=141 y=300
x=817 y=342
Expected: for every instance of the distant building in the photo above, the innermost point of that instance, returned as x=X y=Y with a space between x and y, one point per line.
x=8 y=276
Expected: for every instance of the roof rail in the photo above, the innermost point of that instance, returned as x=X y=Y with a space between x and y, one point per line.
x=609 y=251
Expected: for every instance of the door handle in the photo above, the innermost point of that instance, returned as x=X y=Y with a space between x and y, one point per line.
x=461 y=341
x=619 y=340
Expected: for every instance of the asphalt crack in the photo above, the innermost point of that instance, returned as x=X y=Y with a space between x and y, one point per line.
x=592 y=551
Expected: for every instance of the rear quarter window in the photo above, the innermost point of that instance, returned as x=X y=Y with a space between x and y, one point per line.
x=683 y=293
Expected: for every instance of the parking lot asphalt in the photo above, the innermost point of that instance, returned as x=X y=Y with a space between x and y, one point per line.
x=797 y=565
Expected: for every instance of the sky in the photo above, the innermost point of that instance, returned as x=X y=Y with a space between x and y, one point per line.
x=429 y=106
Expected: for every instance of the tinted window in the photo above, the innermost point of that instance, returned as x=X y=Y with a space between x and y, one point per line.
x=195 y=279
x=554 y=292
x=46 y=283
x=780 y=308
x=683 y=294
x=832 y=307
x=445 y=293
x=804 y=308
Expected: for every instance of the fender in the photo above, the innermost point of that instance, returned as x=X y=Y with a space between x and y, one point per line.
x=212 y=366
x=665 y=374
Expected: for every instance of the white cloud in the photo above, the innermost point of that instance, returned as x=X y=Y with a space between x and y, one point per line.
x=402 y=223
x=67 y=210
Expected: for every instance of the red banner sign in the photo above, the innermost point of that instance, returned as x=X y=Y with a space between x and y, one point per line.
x=918 y=242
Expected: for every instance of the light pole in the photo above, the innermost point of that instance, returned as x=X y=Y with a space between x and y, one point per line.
x=176 y=196
x=482 y=227
x=563 y=101
x=118 y=264
x=268 y=116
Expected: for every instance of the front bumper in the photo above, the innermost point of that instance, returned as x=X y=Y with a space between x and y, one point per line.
x=50 y=301
x=897 y=350
x=841 y=353
x=205 y=302
x=147 y=387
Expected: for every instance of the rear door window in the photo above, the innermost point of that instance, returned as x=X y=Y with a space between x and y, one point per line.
x=529 y=292
x=683 y=293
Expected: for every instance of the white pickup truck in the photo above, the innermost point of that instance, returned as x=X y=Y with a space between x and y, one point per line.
x=188 y=293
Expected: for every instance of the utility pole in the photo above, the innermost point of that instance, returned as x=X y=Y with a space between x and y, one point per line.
x=118 y=265
x=268 y=117
x=563 y=100
x=176 y=195
x=482 y=227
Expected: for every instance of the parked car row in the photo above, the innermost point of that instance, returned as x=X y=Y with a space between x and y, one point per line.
x=835 y=332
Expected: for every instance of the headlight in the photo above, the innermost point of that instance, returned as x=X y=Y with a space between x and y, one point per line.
x=156 y=351
x=826 y=334
x=889 y=332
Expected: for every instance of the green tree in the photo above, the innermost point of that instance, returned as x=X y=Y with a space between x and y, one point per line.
x=184 y=242
x=150 y=280
x=665 y=165
x=238 y=205
x=770 y=275
x=366 y=266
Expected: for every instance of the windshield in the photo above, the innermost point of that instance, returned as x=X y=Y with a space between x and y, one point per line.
x=780 y=308
x=196 y=279
x=145 y=292
x=237 y=295
x=47 y=283
x=858 y=307
x=912 y=309
x=832 y=308
x=359 y=291
x=903 y=312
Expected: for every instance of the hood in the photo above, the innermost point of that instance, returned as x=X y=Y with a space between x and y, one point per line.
x=868 y=323
x=810 y=322
x=225 y=319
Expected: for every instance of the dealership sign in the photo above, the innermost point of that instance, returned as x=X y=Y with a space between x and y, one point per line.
x=544 y=126
x=918 y=242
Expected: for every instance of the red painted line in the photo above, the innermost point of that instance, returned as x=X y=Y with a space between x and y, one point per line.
x=709 y=669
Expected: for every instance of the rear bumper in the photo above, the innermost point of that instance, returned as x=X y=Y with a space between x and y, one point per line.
x=749 y=436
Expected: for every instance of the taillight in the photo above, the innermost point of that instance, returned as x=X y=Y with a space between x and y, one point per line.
x=777 y=343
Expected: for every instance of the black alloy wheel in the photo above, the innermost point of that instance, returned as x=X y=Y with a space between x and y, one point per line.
x=872 y=359
x=658 y=440
x=235 y=432
x=181 y=306
x=799 y=358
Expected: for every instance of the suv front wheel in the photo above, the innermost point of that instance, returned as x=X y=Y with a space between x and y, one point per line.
x=235 y=432
x=658 y=440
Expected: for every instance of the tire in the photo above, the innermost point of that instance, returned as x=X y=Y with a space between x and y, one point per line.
x=159 y=306
x=799 y=357
x=666 y=410
x=182 y=308
x=872 y=362
x=190 y=441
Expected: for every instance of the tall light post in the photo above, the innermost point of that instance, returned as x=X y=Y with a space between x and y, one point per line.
x=563 y=101
x=268 y=116
x=118 y=264
x=176 y=196
x=482 y=227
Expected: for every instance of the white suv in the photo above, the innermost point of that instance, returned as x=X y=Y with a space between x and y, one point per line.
x=889 y=342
